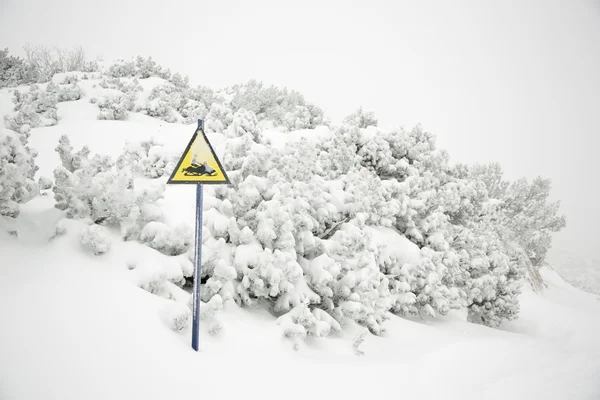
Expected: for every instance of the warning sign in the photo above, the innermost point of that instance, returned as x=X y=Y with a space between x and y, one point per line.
x=199 y=163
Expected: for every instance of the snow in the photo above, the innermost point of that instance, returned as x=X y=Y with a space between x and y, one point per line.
x=397 y=246
x=80 y=326
x=109 y=339
x=280 y=140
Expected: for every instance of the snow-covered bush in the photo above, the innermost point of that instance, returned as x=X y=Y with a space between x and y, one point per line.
x=97 y=189
x=34 y=108
x=17 y=171
x=59 y=230
x=122 y=69
x=303 y=117
x=147 y=67
x=44 y=183
x=218 y=119
x=141 y=68
x=168 y=240
x=148 y=158
x=95 y=238
x=67 y=92
x=283 y=107
x=116 y=108
x=163 y=103
x=14 y=71
x=176 y=316
x=361 y=118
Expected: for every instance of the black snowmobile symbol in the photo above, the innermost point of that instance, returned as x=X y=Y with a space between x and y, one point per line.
x=197 y=169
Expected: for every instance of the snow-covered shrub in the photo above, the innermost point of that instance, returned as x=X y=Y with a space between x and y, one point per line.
x=283 y=107
x=179 y=81
x=361 y=118
x=97 y=189
x=301 y=322
x=44 y=183
x=218 y=119
x=153 y=282
x=286 y=223
x=148 y=158
x=116 y=108
x=244 y=122
x=141 y=68
x=209 y=313
x=176 y=316
x=34 y=108
x=14 y=71
x=17 y=171
x=147 y=67
x=122 y=69
x=68 y=92
x=303 y=117
x=110 y=83
x=70 y=79
x=357 y=341
x=95 y=238
x=163 y=104
x=168 y=240
x=59 y=230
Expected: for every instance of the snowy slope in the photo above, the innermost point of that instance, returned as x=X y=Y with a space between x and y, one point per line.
x=63 y=339
x=76 y=326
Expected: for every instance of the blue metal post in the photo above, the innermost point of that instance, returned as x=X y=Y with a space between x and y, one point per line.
x=197 y=270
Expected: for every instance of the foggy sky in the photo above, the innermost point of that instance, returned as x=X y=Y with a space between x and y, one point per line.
x=516 y=82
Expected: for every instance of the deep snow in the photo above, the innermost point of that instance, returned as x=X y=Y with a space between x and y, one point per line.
x=76 y=326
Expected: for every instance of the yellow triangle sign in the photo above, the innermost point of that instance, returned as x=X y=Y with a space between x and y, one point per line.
x=199 y=163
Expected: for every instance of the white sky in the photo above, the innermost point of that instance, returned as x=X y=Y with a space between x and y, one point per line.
x=514 y=81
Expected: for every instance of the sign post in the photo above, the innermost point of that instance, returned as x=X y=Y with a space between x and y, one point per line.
x=198 y=165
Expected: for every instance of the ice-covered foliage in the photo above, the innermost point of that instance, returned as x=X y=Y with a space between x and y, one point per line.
x=17 y=172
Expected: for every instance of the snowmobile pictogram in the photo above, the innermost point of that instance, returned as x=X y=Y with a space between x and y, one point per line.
x=199 y=169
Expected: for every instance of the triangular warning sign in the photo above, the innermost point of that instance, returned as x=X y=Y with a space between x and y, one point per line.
x=199 y=163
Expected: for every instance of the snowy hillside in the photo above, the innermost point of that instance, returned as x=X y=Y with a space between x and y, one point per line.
x=365 y=251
